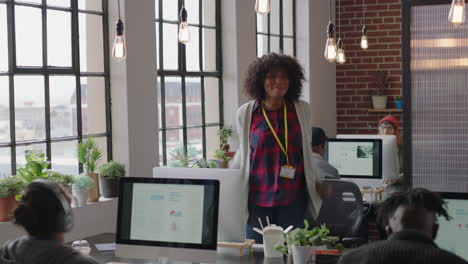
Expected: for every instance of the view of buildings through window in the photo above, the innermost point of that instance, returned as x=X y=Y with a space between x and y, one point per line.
x=189 y=80
x=276 y=31
x=54 y=86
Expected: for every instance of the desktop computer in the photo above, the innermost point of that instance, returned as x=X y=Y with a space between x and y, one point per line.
x=175 y=219
x=231 y=226
x=452 y=234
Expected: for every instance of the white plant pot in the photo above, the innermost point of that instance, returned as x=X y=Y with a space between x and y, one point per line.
x=305 y=254
x=81 y=196
x=379 y=101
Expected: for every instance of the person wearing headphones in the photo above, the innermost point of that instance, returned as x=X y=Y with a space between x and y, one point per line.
x=45 y=213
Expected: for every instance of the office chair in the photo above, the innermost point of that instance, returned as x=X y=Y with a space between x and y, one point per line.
x=343 y=213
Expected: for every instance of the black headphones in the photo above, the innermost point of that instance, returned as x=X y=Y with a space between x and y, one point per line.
x=64 y=221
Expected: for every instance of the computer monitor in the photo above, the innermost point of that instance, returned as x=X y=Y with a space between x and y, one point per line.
x=232 y=209
x=355 y=158
x=390 y=163
x=173 y=218
x=452 y=234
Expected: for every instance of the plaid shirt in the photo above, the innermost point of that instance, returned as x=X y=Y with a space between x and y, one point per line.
x=267 y=188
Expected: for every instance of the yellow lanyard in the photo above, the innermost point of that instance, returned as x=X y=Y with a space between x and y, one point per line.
x=285 y=131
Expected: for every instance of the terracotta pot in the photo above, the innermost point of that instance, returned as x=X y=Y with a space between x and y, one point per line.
x=93 y=195
x=7 y=206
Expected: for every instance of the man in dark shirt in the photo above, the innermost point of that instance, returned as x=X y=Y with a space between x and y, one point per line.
x=409 y=219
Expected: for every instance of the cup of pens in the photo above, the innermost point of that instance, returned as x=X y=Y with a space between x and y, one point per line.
x=272 y=236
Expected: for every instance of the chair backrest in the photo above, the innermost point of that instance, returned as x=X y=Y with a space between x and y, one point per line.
x=343 y=212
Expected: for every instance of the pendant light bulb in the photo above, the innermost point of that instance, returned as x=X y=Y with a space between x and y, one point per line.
x=184 y=30
x=262 y=7
x=119 y=50
x=364 y=41
x=457 y=12
x=340 y=55
x=330 y=46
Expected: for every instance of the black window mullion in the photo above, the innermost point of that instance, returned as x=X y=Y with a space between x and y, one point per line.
x=219 y=63
x=281 y=46
x=202 y=100
x=294 y=26
x=202 y=80
x=162 y=83
x=11 y=66
x=268 y=32
x=46 y=82
x=107 y=92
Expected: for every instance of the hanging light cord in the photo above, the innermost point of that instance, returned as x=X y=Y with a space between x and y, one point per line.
x=330 y=15
x=338 y=18
x=118 y=7
x=363 y=14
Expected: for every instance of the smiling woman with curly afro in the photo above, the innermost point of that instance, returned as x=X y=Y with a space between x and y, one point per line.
x=258 y=70
x=281 y=180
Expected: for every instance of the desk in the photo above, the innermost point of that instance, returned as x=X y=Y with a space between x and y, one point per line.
x=225 y=256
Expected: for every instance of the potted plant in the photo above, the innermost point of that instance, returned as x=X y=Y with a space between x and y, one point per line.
x=224 y=133
x=109 y=175
x=202 y=163
x=36 y=167
x=9 y=187
x=399 y=102
x=222 y=159
x=302 y=243
x=66 y=180
x=88 y=155
x=80 y=188
x=379 y=100
x=181 y=159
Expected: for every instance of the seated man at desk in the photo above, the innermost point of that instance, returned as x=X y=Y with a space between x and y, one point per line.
x=326 y=170
x=389 y=125
x=45 y=213
x=410 y=221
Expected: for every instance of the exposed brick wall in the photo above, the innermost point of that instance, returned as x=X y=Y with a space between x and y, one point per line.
x=356 y=78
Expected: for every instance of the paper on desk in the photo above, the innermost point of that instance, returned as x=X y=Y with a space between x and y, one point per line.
x=105 y=246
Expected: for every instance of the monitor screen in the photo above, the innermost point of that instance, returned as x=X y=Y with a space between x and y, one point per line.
x=355 y=158
x=179 y=213
x=452 y=234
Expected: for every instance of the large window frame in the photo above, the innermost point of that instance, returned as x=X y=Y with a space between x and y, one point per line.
x=281 y=35
x=46 y=72
x=182 y=73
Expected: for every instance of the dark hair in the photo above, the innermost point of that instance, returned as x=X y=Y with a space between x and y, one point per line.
x=416 y=198
x=38 y=210
x=259 y=68
x=318 y=136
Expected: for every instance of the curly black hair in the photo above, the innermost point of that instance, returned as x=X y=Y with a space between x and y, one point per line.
x=416 y=198
x=259 y=68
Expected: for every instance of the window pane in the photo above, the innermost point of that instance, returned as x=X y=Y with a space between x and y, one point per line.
x=288 y=46
x=91 y=43
x=158 y=86
x=211 y=100
x=4 y=109
x=156 y=9
x=170 y=10
x=274 y=17
x=209 y=12
x=59 y=38
x=161 y=158
x=212 y=143
x=63 y=119
x=30 y=1
x=20 y=159
x=3 y=39
x=29 y=107
x=192 y=11
x=262 y=45
x=28 y=31
x=102 y=145
x=192 y=50
x=157 y=45
x=173 y=90
x=93 y=105
x=288 y=17
x=194 y=142
x=174 y=147
x=209 y=49
x=262 y=23
x=274 y=44
x=64 y=158
x=5 y=162
x=193 y=101
x=63 y=3
x=170 y=47
x=94 y=5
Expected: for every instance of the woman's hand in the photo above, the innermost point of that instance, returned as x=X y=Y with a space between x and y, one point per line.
x=324 y=190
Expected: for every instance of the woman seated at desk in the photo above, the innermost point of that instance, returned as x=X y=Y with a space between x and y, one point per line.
x=389 y=125
x=45 y=213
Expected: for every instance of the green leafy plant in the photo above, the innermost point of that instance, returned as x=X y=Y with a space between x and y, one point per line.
x=398 y=97
x=381 y=83
x=181 y=159
x=61 y=178
x=82 y=181
x=202 y=163
x=221 y=155
x=112 y=170
x=11 y=185
x=35 y=167
x=89 y=154
x=317 y=236
x=224 y=133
